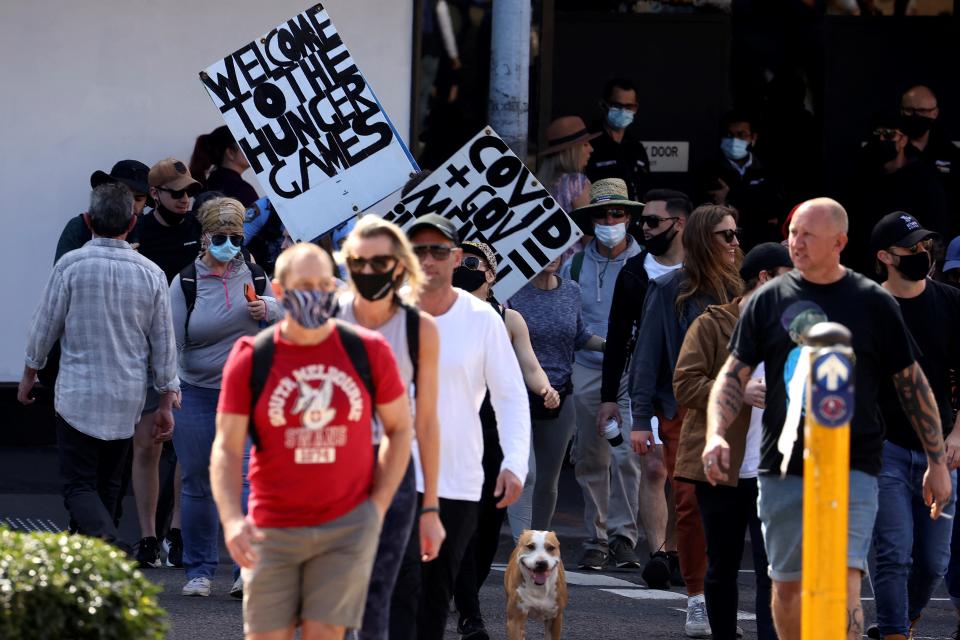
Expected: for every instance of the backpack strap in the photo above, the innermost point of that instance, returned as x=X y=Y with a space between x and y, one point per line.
x=413 y=341
x=188 y=284
x=357 y=352
x=259 y=277
x=263 y=348
x=576 y=266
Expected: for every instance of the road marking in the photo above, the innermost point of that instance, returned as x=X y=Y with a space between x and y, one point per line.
x=646 y=594
x=742 y=616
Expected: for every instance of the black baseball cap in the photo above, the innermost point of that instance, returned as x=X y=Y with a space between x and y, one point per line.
x=437 y=223
x=897 y=229
x=129 y=172
x=764 y=257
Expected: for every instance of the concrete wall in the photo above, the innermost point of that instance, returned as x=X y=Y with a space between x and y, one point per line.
x=85 y=84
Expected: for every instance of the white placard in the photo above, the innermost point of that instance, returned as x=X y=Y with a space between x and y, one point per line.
x=491 y=197
x=311 y=127
x=668 y=157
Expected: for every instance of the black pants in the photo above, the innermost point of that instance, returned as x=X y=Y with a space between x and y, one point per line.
x=90 y=473
x=480 y=552
x=727 y=514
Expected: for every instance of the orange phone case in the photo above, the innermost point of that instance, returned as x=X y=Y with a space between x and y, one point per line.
x=248 y=292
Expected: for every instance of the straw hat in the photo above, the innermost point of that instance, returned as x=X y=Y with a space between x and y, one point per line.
x=607 y=192
x=566 y=132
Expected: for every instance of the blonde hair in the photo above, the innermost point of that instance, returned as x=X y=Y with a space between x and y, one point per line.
x=217 y=213
x=372 y=226
x=557 y=164
x=299 y=250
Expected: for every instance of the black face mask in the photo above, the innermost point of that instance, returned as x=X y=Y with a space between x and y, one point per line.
x=916 y=125
x=660 y=243
x=468 y=279
x=915 y=266
x=172 y=218
x=373 y=286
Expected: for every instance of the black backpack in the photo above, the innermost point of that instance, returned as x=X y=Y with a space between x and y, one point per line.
x=188 y=284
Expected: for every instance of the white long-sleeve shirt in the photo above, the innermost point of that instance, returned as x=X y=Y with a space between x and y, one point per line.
x=476 y=355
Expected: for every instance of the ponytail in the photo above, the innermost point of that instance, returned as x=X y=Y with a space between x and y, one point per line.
x=208 y=151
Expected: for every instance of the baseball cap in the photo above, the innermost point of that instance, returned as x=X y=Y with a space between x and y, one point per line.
x=481 y=250
x=129 y=172
x=952 y=260
x=897 y=229
x=437 y=223
x=173 y=174
x=764 y=257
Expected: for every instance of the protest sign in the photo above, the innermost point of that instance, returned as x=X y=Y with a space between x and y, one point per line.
x=491 y=197
x=310 y=125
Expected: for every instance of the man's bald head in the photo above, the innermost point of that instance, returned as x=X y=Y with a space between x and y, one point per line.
x=302 y=260
x=830 y=209
x=918 y=97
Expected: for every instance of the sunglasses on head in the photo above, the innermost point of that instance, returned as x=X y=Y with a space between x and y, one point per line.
x=729 y=234
x=652 y=222
x=218 y=239
x=176 y=194
x=378 y=264
x=436 y=251
x=603 y=214
x=471 y=262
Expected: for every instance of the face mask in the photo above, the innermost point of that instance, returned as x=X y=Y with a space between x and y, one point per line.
x=170 y=217
x=309 y=308
x=914 y=267
x=886 y=150
x=658 y=244
x=916 y=125
x=373 y=286
x=610 y=235
x=734 y=148
x=619 y=118
x=469 y=279
x=222 y=252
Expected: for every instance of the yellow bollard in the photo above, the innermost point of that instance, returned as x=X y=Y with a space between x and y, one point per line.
x=826 y=476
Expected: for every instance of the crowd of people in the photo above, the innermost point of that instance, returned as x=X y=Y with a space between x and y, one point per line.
x=358 y=416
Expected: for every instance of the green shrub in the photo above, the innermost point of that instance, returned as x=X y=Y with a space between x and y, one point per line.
x=73 y=587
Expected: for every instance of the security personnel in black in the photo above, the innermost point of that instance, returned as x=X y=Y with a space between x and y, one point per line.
x=920 y=111
x=617 y=153
x=741 y=180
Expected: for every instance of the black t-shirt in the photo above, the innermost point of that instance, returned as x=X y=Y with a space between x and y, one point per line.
x=626 y=159
x=932 y=318
x=171 y=248
x=231 y=184
x=769 y=331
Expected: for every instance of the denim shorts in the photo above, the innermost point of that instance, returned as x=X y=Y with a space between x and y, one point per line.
x=780 y=507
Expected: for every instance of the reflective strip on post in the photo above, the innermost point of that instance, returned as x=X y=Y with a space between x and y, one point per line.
x=826 y=477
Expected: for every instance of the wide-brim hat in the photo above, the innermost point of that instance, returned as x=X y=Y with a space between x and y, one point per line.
x=608 y=192
x=129 y=172
x=566 y=132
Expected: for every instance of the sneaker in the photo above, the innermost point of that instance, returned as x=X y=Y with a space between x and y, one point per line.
x=873 y=632
x=173 y=549
x=472 y=629
x=676 y=578
x=656 y=573
x=197 y=587
x=236 y=591
x=592 y=559
x=624 y=557
x=697 y=625
x=148 y=553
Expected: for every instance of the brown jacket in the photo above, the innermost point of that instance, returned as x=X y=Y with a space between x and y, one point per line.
x=701 y=357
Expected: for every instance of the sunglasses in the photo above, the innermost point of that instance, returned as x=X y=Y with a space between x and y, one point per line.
x=884 y=133
x=603 y=214
x=729 y=234
x=652 y=222
x=176 y=194
x=471 y=262
x=218 y=239
x=436 y=251
x=378 y=264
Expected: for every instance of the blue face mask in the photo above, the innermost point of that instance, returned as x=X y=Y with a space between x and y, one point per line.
x=734 y=148
x=309 y=308
x=222 y=252
x=619 y=118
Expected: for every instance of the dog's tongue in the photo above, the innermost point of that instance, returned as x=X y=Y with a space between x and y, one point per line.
x=540 y=577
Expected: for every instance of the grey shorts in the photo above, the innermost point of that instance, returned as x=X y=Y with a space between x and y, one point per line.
x=153 y=401
x=780 y=508
x=312 y=573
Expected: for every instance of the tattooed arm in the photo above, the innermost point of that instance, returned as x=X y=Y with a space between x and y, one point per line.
x=920 y=407
x=726 y=400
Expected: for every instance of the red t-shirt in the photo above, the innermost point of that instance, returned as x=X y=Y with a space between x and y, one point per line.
x=315 y=461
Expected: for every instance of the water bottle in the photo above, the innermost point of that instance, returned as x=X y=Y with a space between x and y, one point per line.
x=611 y=431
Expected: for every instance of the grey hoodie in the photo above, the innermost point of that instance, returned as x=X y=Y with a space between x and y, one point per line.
x=598 y=275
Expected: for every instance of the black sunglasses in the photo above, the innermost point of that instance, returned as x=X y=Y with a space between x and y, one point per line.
x=176 y=194
x=471 y=262
x=436 y=251
x=729 y=234
x=218 y=239
x=653 y=222
x=378 y=264
x=602 y=213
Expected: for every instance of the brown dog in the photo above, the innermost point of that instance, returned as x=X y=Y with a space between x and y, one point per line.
x=535 y=585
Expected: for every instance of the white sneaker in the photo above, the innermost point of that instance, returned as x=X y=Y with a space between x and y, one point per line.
x=697 y=625
x=197 y=587
x=236 y=591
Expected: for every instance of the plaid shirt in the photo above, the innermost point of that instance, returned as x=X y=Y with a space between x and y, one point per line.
x=110 y=308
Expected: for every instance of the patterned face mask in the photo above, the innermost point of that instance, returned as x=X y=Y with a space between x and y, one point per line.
x=310 y=308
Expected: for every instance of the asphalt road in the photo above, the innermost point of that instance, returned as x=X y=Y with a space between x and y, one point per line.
x=610 y=604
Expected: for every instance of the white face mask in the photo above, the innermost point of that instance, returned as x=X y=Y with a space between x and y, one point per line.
x=610 y=235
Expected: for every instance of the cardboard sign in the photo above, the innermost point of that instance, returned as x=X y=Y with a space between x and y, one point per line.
x=668 y=157
x=491 y=197
x=310 y=125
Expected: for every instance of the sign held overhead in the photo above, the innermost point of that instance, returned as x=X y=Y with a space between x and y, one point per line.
x=311 y=127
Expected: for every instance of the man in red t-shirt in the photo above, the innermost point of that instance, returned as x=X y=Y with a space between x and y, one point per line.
x=317 y=496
